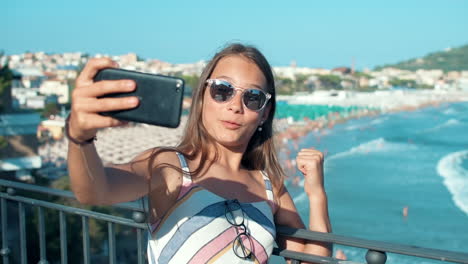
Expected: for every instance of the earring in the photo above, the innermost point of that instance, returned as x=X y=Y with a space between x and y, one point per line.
x=260 y=127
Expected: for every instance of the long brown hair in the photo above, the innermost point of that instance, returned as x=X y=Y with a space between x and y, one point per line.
x=260 y=153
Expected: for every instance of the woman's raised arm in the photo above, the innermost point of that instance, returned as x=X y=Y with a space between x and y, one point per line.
x=310 y=163
x=90 y=181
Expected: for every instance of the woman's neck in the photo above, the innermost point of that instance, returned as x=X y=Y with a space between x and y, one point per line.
x=227 y=157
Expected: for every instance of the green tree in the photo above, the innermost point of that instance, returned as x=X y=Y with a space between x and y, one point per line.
x=50 y=109
x=6 y=77
x=300 y=82
x=191 y=83
x=455 y=59
x=362 y=74
x=3 y=142
x=330 y=81
x=284 y=86
x=403 y=83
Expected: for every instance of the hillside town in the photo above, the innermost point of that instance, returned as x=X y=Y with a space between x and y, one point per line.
x=37 y=101
x=41 y=78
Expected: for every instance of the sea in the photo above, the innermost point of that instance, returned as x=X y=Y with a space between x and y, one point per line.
x=399 y=177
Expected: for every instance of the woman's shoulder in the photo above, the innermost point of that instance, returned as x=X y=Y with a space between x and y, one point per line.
x=163 y=166
x=159 y=155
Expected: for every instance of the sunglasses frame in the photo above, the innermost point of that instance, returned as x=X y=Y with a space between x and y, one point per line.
x=228 y=84
x=246 y=253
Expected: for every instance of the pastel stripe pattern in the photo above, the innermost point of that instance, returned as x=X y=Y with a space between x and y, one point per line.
x=195 y=230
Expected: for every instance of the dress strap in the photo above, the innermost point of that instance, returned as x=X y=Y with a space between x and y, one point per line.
x=187 y=182
x=269 y=191
x=183 y=165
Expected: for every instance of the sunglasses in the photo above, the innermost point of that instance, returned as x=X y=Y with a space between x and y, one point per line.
x=222 y=91
x=242 y=244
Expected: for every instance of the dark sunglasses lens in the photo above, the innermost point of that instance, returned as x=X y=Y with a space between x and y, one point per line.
x=254 y=99
x=234 y=214
x=243 y=246
x=221 y=92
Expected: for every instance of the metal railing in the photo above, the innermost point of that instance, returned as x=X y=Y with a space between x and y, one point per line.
x=376 y=253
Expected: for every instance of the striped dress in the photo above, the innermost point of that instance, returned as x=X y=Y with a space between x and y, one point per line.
x=196 y=229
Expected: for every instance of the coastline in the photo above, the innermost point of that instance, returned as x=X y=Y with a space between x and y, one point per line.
x=370 y=104
x=289 y=131
x=121 y=144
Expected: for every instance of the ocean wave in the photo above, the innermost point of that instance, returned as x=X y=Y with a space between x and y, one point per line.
x=449 y=111
x=449 y=123
x=450 y=167
x=365 y=126
x=378 y=120
x=355 y=127
x=374 y=146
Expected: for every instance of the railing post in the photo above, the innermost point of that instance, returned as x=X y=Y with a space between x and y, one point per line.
x=22 y=223
x=111 y=237
x=139 y=217
x=376 y=257
x=63 y=238
x=42 y=236
x=5 y=251
x=86 y=245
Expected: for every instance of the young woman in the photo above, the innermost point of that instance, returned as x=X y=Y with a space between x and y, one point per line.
x=218 y=195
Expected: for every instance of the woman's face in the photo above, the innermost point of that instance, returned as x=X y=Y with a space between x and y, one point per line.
x=231 y=123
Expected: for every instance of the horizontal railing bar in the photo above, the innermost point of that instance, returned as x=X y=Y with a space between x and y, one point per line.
x=289 y=254
x=135 y=205
x=36 y=188
x=437 y=254
x=76 y=211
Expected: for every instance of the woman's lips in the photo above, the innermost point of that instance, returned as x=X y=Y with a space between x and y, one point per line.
x=231 y=125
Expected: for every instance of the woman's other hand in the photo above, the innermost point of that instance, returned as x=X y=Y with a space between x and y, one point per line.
x=310 y=163
x=86 y=106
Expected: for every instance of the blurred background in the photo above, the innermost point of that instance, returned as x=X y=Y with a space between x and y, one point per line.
x=380 y=87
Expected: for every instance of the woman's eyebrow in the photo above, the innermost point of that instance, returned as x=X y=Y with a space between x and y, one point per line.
x=250 y=85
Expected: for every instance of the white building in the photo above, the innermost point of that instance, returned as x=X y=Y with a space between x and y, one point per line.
x=462 y=84
x=56 y=87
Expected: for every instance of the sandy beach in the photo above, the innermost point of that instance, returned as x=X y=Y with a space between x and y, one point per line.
x=121 y=144
x=385 y=100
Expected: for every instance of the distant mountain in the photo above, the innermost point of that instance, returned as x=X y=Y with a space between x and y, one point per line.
x=453 y=59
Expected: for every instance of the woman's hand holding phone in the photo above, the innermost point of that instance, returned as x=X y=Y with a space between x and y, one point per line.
x=86 y=104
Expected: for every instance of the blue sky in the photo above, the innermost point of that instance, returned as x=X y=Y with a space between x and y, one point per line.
x=313 y=33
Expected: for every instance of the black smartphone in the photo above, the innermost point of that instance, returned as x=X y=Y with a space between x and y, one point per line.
x=160 y=97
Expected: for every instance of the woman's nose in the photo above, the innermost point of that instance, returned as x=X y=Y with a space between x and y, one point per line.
x=235 y=104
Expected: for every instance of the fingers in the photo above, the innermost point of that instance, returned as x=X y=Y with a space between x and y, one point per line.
x=309 y=160
x=92 y=67
x=100 y=122
x=94 y=105
x=107 y=87
x=93 y=122
x=310 y=153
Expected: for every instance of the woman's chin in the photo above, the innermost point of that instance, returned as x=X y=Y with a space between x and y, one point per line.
x=232 y=143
